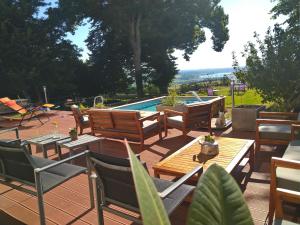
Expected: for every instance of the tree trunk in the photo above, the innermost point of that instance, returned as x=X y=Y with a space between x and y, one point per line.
x=135 y=41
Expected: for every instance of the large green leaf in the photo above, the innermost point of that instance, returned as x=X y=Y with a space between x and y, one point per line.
x=218 y=200
x=151 y=207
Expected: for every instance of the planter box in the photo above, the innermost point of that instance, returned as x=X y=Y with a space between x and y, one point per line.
x=244 y=117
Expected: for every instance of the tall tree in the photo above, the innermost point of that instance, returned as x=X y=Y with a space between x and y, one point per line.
x=33 y=51
x=273 y=64
x=157 y=24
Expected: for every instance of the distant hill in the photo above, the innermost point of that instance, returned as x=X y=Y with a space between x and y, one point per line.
x=186 y=76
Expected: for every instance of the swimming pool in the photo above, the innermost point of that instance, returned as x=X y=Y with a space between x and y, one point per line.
x=150 y=105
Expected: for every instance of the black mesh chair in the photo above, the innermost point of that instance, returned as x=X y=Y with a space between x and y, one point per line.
x=113 y=184
x=16 y=164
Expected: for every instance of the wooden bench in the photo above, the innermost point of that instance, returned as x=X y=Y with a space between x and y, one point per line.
x=124 y=124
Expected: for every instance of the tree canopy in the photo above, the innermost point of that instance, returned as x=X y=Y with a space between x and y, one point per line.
x=144 y=34
x=33 y=52
x=130 y=41
x=273 y=64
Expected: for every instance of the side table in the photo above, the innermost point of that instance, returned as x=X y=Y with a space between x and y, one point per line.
x=46 y=140
x=82 y=141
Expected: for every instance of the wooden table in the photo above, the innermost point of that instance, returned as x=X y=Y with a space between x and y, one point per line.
x=45 y=141
x=232 y=152
x=82 y=141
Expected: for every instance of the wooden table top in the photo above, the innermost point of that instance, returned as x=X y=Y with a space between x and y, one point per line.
x=231 y=152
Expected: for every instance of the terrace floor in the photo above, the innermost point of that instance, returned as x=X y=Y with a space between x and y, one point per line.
x=69 y=203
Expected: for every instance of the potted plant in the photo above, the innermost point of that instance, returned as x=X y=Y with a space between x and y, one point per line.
x=73 y=134
x=170 y=102
x=209 y=146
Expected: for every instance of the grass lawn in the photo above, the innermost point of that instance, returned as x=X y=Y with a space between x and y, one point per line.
x=250 y=97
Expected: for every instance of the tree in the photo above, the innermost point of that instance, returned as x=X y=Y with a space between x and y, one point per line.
x=273 y=64
x=33 y=51
x=150 y=28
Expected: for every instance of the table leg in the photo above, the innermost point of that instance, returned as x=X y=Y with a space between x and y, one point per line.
x=44 y=151
x=70 y=154
x=29 y=149
x=156 y=174
x=252 y=158
x=58 y=150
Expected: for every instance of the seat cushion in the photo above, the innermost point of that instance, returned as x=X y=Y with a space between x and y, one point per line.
x=149 y=126
x=275 y=131
x=175 y=121
x=56 y=175
x=290 y=178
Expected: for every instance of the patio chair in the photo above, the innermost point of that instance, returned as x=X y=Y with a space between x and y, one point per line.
x=16 y=164
x=114 y=185
x=274 y=128
x=192 y=117
x=81 y=119
x=29 y=111
x=124 y=124
x=284 y=188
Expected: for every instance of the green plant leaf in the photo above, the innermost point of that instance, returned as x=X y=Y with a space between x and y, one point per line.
x=151 y=206
x=218 y=200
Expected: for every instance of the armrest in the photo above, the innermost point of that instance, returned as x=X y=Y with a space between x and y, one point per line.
x=288 y=195
x=179 y=182
x=276 y=121
x=38 y=170
x=11 y=129
x=294 y=128
x=291 y=115
x=150 y=117
x=169 y=111
x=285 y=163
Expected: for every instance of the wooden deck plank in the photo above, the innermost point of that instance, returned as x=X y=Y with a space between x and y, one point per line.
x=75 y=191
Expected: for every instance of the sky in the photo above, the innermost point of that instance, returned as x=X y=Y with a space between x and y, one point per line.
x=245 y=17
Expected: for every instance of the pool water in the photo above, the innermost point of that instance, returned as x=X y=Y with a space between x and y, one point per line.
x=150 y=105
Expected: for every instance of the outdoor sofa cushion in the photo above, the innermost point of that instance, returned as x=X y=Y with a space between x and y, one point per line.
x=175 y=121
x=290 y=178
x=275 y=131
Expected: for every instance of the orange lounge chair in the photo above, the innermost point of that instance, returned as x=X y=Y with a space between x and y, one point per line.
x=31 y=111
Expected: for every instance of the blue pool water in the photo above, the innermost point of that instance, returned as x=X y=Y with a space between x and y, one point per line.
x=151 y=105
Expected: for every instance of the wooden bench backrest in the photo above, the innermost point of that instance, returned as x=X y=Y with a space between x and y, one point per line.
x=126 y=121
x=120 y=121
x=101 y=119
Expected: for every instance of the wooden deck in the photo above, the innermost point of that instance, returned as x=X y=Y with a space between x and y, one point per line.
x=69 y=203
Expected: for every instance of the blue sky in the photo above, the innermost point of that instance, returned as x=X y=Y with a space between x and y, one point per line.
x=245 y=17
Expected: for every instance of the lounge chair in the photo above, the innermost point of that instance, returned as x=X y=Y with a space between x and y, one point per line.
x=113 y=185
x=274 y=128
x=16 y=164
x=192 y=117
x=28 y=111
x=124 y=124
x=81 y=118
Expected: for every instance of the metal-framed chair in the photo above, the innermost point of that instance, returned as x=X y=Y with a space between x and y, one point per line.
x=113 y=184
x=16 y=164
